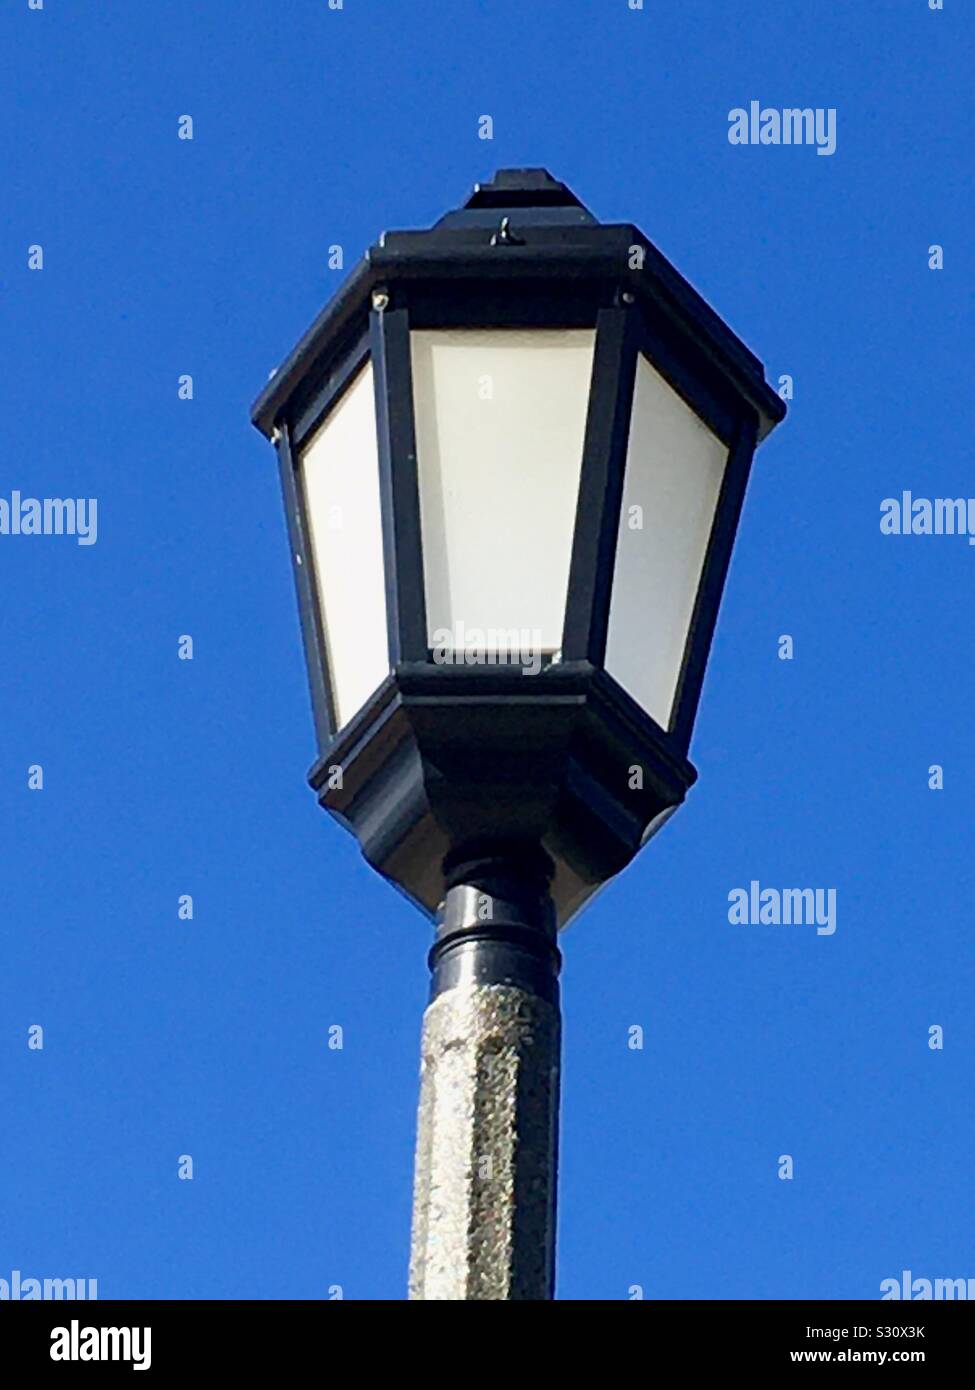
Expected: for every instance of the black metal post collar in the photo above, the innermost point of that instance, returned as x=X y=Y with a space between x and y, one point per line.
x=497 y=923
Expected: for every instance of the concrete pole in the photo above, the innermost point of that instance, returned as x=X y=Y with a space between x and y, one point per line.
x=487 y=1133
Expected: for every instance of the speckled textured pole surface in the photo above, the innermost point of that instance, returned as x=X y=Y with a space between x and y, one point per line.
x=487 y=1133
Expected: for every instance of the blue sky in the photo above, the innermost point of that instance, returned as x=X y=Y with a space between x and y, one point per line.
x=164 y=777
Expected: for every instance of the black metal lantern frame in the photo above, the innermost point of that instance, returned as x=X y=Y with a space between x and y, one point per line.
x=447 y=762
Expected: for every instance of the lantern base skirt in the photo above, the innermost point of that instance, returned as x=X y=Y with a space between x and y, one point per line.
x=441 y=759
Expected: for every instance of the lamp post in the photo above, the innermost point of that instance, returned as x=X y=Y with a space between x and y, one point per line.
x=513 y=451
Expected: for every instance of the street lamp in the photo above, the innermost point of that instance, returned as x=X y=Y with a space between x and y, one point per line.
x=513 y=451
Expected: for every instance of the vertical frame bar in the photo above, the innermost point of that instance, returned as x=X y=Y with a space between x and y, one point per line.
x=309 y=611
x=601 y=486
x=713 y=575
x=399 y=486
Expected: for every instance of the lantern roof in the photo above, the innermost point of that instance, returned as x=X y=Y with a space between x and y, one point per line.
x=534 y=188
x=522 y=224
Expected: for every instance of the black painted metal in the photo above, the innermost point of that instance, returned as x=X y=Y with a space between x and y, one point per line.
x=497 y=924
x=601 y=486
x=723 y=532
x=533 y=188
x=333 y=386
x=561 y=243
x=402 y=541
x=444 y=759
x=694 y=378
x=313 y=634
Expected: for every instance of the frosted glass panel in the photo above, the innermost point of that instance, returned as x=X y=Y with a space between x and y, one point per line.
x=340 y=473
x=674 y=469
x=500 y=420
